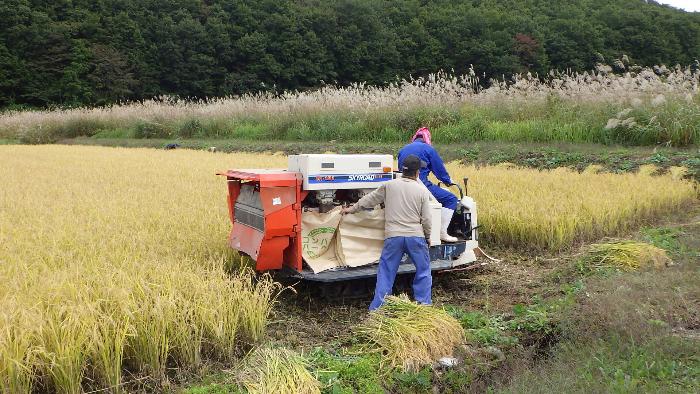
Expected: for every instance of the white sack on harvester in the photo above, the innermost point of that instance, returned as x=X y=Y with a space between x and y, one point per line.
x=318 y=242
x=330 y=240
x=360 y=238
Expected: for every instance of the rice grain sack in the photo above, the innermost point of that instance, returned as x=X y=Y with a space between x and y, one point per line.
x=360 y=238
x=318 y=231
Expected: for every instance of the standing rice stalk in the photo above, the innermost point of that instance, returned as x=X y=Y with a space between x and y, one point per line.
x=187 y=333
x=109 y=338
x=152 y=342
x=18 y=357
x=260 y=294
x=553 y=209
x=65 y=349
x=221 y=317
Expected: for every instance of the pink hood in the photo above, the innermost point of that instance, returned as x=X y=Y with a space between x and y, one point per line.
x=424 y=133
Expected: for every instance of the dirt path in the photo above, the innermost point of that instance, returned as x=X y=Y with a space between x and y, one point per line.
x=305 y=320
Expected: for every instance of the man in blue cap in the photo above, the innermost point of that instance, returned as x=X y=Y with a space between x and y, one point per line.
x=406 y=231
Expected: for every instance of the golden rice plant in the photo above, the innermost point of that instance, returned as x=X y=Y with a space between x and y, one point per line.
x=257 y=307
x=678 y=173
x=553 y=209
x=109 y=338
x=594 y=169
x=625 y=256
x=115 y=259
x=410 y=335
x=154 y=321
x=18 y=356
x=64 y=347
x=269 y=370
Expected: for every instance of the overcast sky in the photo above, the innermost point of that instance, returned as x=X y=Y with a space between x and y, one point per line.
x=688 y=5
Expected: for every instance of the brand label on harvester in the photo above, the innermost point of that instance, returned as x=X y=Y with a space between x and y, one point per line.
x=341 y=178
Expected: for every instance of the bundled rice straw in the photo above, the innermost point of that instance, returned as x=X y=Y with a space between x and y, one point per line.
x=278 y=370
x=626 y=255
x=410 y=335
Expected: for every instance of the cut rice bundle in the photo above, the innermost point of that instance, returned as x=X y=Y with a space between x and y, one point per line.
x=626 y=256
x=410 y=335
x=277 y=370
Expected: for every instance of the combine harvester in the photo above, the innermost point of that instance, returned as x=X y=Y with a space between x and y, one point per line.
x=288 y=221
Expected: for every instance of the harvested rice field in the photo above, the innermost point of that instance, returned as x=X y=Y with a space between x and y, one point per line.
x=114 y=265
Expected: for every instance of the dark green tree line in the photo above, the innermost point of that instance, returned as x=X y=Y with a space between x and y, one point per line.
x=80 y=52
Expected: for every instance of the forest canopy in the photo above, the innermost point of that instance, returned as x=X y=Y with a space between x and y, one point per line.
x=97 y=52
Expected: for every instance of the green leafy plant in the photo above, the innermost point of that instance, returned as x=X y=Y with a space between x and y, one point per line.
x=414 y=382
x=349 y=373
x=483 y=329
x=664 y=238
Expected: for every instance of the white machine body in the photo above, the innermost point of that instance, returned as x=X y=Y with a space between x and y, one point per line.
x=469 y=203
x=326 y=173
x=333 y=171
x=436 y=220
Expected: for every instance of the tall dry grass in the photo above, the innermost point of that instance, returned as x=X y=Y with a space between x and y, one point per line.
x=560 y=106
x=114 y=259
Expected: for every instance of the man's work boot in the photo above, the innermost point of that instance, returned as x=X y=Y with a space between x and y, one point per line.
x=446 y=218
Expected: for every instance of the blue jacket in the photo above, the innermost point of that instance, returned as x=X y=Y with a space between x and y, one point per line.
x=429 y=155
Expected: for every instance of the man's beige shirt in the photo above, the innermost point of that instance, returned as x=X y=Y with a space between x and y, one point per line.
x=407 y=208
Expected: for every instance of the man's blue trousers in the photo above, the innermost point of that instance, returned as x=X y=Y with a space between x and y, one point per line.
x=444 y=197
x=394 y=249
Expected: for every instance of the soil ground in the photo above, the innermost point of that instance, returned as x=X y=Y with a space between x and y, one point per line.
x=304 y=321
